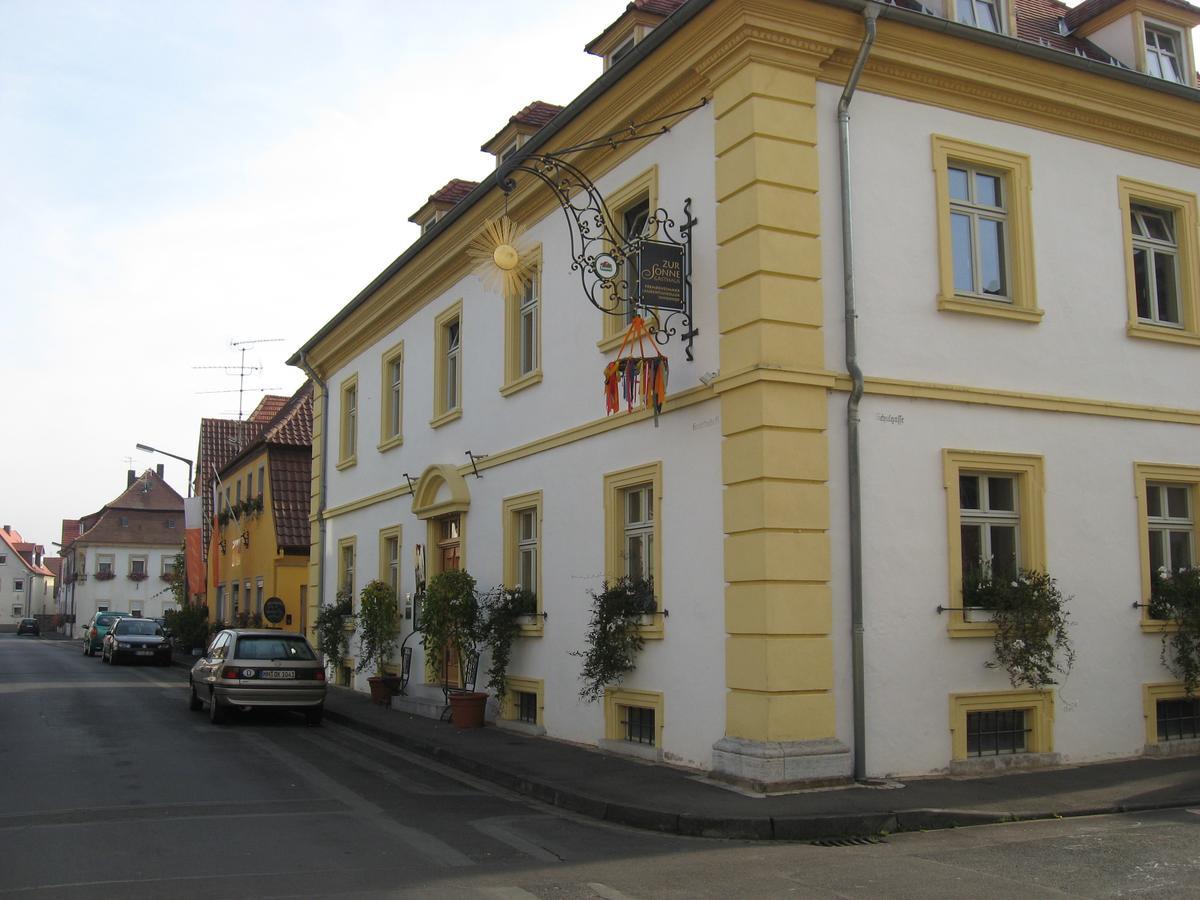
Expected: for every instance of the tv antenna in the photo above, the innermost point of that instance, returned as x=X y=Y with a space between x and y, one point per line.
x=241 y=369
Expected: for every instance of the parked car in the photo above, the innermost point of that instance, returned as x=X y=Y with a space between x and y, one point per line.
x=96 y=629
x=29 y=626
x=134 y=639
x=252 y=668
x=167 y=632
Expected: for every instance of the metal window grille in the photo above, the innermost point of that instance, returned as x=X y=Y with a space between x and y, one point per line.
x=527 y=707
x=639 y=724
x=1178 y=719
x=997 y=732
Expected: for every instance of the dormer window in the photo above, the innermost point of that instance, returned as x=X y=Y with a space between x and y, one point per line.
x=508 y=152
x=622 y=50
x=430 y=222
x=983 y=14
x=1162 y=54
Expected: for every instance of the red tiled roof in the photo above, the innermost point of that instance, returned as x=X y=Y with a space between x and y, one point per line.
x=71 y=529
x=291 y=492
x=24 y=550
x=147 y=507
x=149 y=491
x=267 y=408
x=537 y=113
x=661 y=8
x=220 y=441
x=54 y=564
x=454 y=190
x=1037 y=23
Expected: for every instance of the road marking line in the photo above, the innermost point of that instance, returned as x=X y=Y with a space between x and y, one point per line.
x=608 y=893
x=432 y=847
x=498 y=828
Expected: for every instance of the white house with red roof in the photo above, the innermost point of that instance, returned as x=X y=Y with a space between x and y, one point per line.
x=120 y=558
x=26 y=583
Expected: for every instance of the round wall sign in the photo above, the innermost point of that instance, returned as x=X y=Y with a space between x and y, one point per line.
x=274 y=610
x=605 y=266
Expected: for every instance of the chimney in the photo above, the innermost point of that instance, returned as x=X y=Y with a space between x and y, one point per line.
x=159 y=469
x=8 y=529
x=130 y=478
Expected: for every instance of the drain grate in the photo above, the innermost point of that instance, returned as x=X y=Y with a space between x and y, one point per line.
x=847 y=841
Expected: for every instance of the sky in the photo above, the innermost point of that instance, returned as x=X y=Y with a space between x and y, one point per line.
x=175 y=177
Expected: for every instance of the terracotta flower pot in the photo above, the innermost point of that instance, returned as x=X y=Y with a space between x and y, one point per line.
x=381 y=690
x=467 y=709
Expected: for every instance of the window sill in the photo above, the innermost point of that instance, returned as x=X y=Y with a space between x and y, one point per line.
x=390 y=443
x=1163 y=333
x=653 y=627
x=995 y=308
x=347 y=463
x=1159 y=626
x=513 y=387
x=534 y=629
x=448 y=416
x=958 y=628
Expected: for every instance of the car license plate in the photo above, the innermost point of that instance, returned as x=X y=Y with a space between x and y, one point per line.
x=143 y=652
x=278 y=673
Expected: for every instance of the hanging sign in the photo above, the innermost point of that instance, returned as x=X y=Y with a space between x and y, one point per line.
x=274 y=610
x=660 y=271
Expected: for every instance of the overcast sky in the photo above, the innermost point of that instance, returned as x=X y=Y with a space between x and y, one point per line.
x=178 y=176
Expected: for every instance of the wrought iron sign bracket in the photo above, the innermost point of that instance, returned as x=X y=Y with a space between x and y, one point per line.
x=648 y=273
x=412 y=489
x=475 y=457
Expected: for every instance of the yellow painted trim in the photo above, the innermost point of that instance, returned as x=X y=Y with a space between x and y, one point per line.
x=615 y=485
x=425 y=504
x=442 y=412
x=391 y=355
x=1151 y=694
x=682 y=400
x=513 y=683
x=350 y=541
x=386 y=534
x=1015 y=169
x=1183 y=207
x=628 y=194
x=1158 y=473
x=347 y=441
x=1041 y=722
x=1028 y=470
x=615 y=698
x=514 y=380
x=509 y=539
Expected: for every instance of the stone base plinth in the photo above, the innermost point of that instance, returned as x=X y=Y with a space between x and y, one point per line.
x=774 y=766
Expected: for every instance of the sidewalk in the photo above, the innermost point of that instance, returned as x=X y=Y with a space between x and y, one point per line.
x=663 y=798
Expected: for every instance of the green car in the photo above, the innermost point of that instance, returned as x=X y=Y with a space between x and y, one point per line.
x=96 y=629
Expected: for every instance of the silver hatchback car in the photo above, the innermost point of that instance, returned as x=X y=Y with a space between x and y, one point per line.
x=248 y=669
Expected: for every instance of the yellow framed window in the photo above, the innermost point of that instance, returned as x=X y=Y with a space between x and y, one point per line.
x=448 y=367
x=1161 y=253
x=1001 y=723
x=633 y=540
x=522 y=536
x=995 y=523
x=347 y=558
x=348 y=431
x=1165 y=52
x=631 y=206
x=985 y=230
x=524 y=701
x=523 y=333
x=1167 y=496
x=391 y=393
x=633 y=717
x=1170 y=714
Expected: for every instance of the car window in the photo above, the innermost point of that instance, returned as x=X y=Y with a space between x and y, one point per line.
x=272 y=647
x=105 y=621
x=137 y=626
x=220 y=646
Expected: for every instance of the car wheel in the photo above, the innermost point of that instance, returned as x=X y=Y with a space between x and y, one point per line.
x=216 y=712
x=194 y=702
x=314 y=714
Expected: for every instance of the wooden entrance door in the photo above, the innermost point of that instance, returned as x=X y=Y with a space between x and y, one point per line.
x=449 y=550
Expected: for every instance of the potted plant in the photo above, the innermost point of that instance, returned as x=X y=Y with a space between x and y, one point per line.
x=1175 y=598
x=1030 y=615
x=377 y=638
x=502 y=611
x=451 y=623
x=332 y=639
x=614 y=635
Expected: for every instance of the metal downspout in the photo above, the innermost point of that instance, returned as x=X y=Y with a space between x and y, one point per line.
x=870 y=11
x=307 y=369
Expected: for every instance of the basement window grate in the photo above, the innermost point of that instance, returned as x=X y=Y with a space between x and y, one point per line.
x=848 y=841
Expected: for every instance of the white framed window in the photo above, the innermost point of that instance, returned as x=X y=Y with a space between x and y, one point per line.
x=135 y=608
x=105 y=564
x=137 y=565
x=622 y=50
x=102 y=606
x=348 y=424
x=18 y=584
x=989 y=524
x=448 y=365
x=979 y=232
x=346 y=553
x=638 y=533
x=1171 y=526
x=1155 y=265
x=258 y=596
x=391 y=394
x=18 y=610
x=985 y=14
x=1162 y=54
x=168 y=565
x=527 y=549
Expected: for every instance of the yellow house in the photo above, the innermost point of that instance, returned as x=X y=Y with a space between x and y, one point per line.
x=259 y=550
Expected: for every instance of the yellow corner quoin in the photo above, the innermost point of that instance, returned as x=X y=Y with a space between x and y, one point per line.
x=1038 y=706
x=1031 y=533
x=1160 y=473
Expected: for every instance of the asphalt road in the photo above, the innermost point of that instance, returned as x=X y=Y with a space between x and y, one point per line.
x=110 y=786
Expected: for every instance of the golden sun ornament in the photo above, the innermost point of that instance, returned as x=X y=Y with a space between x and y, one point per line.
x=502 y=256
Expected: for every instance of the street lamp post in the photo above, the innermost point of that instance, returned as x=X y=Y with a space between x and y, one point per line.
x=148 y=449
